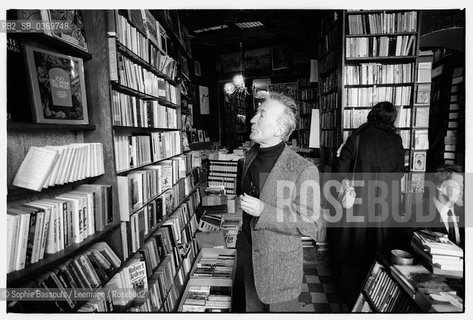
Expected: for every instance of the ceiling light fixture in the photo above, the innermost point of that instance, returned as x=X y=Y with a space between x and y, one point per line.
x=238 y=84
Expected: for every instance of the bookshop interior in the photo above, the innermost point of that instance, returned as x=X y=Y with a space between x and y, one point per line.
x=242 y=161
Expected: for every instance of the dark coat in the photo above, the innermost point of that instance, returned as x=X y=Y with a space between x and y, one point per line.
x=380 y=161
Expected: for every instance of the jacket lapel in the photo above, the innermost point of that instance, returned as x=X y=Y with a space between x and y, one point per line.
x=282 y=166
x=247 y=163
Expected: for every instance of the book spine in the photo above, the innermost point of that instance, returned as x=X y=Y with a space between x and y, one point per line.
x=21 y=257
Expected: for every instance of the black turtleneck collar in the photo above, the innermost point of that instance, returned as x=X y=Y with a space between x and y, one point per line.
x=271 y=152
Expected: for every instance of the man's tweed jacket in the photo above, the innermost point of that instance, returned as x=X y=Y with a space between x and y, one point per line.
x=276 y=234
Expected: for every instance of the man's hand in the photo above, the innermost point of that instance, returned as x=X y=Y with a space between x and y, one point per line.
x=251 y=205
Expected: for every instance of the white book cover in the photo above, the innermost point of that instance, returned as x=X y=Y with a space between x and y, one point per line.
x=13 y=233
x=70 y=164
x=57 y=168
x=64 y=169
x=22 y=244
x=76 y=217
x=124 y=201
x=90 y=208
x=35 y=168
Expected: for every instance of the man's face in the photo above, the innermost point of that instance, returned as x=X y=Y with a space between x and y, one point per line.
x=453 y=189
x=265 y=128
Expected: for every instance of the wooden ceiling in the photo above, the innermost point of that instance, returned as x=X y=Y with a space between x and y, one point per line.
x=279 y=27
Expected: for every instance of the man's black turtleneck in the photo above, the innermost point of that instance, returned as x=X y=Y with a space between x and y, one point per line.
x=261 y=167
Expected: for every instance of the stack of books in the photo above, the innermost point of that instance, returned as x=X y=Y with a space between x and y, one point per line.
x=216 y=266
x=442 y=255
x=208 y=299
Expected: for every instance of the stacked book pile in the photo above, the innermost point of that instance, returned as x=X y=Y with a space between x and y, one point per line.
x=208 y=299
x=442 y=255
x=215 y=266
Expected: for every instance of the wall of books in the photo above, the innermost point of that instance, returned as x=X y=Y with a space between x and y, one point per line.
x=111 y=206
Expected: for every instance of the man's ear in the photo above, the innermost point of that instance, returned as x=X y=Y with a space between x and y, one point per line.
x=279 y=131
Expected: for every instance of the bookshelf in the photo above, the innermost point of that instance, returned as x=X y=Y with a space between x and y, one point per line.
x=447 y=144
x=23 y=133
x=210 y=287
x=224 y=173
x=235 y=119
x=397 y=288
x=381 y=292
x=308 y=99
x=330 y=68
x=119 y=104
x=367 y=56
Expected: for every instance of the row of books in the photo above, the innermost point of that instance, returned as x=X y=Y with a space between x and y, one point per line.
x=152 y=282
x=163 y=62
x=150 y=45
x=380 y=46
x=353 y=118
x=214 y=265
x=369 y=96
x=377 y=73
x=208 y=299
x=134 y=112
x=304 y=123
x=303 y=137
x=69 y=281
x=305 y=107
x=384 y=293
x=180 y=226
x=48 y=166
x=328 y=138
x=456 y=98
x=46 y=226
x=442 y=255
x=229 y=183
x=329 y=40
x=329 y=82
x=132 y=151
x=130 y=37
x=136 y=77
x=382 y=22
x=328 y=120
x=138 y=187
x=223 y=173
x=329 y=102
x=308 y=93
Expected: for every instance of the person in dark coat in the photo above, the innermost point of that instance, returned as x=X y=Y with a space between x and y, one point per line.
x=379 y=168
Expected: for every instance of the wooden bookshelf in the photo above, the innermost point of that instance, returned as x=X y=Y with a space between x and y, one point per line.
x=47 y=126
x=97 y=71
x=343 y=38
x=16 y=278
